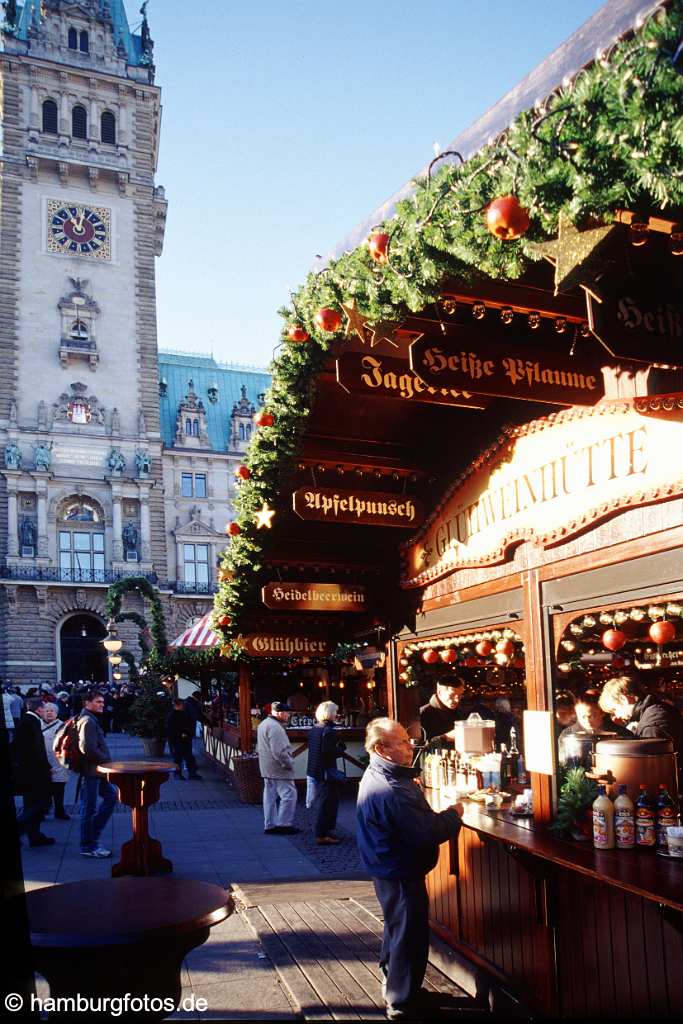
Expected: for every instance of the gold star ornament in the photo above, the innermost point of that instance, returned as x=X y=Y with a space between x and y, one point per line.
x=264 y=516
x=355 y=321
x=384 y=330
x=573 y=252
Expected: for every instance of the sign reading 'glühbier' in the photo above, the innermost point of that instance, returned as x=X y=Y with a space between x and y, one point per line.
x=467 y=361
x=315 y=597
x=367 y=508
x=281 y=645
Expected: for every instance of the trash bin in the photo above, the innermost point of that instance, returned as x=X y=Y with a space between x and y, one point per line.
x=247 y=778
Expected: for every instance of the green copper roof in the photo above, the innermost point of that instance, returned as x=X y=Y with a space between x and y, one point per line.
x=114 y=10
x=178 y=368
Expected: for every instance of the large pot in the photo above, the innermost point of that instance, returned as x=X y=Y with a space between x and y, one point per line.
x=635 y=762
x=153 y=747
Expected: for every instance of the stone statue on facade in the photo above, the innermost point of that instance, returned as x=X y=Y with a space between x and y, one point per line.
x=115 y=421
x=129 y=536
x=13 y=456
x=116 y=461
x=42 y=415
x=142 y=426
x=27 y=532
x=12 y=412
x=143 y=462
x=43 y=456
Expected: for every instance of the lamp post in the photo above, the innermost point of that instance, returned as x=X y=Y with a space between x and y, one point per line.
x=111 y=643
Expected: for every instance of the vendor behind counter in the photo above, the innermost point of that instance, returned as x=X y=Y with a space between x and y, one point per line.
x=443 y=710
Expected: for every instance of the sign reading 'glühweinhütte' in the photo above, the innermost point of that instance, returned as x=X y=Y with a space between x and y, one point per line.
x=465 y=360
x=392 y=378
x=279 y=645
x=365 y=508
x=315 y=597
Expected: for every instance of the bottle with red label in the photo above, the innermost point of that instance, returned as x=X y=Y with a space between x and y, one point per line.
x=646 y=828
x=666 y=815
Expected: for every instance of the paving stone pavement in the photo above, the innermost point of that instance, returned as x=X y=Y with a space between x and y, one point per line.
x=209 y=835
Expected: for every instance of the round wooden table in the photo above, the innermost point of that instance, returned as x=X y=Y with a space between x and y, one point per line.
x=116 y=936
x=138 y=783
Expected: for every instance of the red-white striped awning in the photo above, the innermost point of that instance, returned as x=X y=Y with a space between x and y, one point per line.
x=199 y=635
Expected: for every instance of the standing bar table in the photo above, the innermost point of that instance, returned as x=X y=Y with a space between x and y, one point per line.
x=138 y=783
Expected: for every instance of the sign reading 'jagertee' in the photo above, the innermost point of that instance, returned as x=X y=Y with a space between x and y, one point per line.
x=365 y=508
x=280 y=645
x=315 y=597
x=468 y=361
x=392 y=378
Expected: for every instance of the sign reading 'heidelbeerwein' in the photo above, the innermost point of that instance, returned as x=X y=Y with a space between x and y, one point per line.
x=553 y=478
x=315 y=597
x=282 y=645
x=364 y=508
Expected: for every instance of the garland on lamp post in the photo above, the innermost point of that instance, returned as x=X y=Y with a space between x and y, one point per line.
x=610 y=138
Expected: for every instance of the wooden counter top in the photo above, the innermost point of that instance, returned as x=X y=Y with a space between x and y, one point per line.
x=645 y=874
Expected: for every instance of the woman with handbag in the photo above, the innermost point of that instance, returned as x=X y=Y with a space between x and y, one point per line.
x=323 y=775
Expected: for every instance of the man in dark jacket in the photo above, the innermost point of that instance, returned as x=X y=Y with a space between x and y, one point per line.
x=649 y=715
x=438 y=717
x=398 y=839
x=180 y=730
x=93 y=747
x=31 y=771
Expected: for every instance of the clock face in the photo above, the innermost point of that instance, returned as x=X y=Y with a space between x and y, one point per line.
x=78 y=230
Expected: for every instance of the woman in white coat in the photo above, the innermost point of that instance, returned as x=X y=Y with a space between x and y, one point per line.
x=51 y=729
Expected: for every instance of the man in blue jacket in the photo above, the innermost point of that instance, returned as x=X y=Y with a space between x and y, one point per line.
x=398 y=839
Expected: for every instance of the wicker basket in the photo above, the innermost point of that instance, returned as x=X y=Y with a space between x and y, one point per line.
x=247 y=778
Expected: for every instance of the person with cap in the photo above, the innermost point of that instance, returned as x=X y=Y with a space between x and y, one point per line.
x=276 y=764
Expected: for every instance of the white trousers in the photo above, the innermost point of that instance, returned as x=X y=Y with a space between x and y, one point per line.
x=279 y=802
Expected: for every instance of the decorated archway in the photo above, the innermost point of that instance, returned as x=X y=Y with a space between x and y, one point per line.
x=80 y=651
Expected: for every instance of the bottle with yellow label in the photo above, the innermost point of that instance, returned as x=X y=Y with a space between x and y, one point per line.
x=603 y=821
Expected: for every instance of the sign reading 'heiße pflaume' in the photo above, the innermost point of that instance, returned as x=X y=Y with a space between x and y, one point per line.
x=469 y=362
x=364 y=508
x=278 y=645
x=315 y=597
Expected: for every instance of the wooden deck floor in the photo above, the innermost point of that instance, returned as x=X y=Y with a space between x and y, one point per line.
x=324 y=940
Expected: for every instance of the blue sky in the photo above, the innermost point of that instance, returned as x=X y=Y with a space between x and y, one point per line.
x=287 y=122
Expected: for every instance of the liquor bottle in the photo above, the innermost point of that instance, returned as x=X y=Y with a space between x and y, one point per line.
x=666 y=815
x=603 y=821
x=522 y=777
x=504 y=767
x=514 y=755
x=624 y=820
x=646 y=835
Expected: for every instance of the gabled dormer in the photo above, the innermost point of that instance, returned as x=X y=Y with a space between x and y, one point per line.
x=191 y=426
x=241 y=422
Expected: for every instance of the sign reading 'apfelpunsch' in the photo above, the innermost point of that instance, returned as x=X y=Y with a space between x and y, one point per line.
x=364 y=508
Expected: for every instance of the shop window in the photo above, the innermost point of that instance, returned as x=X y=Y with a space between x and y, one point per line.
x=79 y=123
x=50 y=117
x=196 y=564
x=108 y=128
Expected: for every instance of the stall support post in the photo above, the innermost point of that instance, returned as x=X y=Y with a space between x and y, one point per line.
x=245 y=709
x=392 y=679
x=536 y=683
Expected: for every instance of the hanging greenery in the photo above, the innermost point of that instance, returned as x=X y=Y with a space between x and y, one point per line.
x=142 y=586
x=611 y=138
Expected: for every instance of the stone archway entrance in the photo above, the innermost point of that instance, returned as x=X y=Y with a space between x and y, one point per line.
x=82 y=654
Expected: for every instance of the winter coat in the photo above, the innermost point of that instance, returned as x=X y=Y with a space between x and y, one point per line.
x=50 y=734
x=91 y=743
x=31 y=768
x=275 y=752
x=179 y=726
x=656 y=718
x=436 y=719
x=323 y=750
x=398 y=833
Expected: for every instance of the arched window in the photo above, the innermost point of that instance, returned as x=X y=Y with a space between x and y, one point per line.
x=248 y=431
x=108 y=128
x=241 y=431
x=195 y=428
x=79 y=330
x=73 y=39
x=84 y=42
x=188 y=427
x=50 y=117
x=79 y=123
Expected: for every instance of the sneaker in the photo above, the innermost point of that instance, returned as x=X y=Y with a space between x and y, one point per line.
x=41 y=840
x=288 y=830
x=99 y=852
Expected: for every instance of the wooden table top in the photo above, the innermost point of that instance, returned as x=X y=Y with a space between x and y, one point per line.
x=119 y=911
x=135 y=767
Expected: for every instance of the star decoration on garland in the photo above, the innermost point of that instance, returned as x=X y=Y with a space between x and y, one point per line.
x=384 y=330
x=571 y=251
x=355 y=321
x=264 y=516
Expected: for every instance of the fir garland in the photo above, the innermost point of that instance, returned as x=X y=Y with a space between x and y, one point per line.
x=611 y=138
x=138 y=584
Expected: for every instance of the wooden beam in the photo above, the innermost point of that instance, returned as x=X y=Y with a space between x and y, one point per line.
x=245 y=709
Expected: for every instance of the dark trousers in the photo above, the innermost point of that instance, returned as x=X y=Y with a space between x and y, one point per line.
x=328 y=805
x=93 y=819
x=35 y=806
x=405 y=944
x=57 y=796
x=182 y=751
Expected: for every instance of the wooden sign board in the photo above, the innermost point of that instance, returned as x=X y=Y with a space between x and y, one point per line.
x=639 y=319
x=282 y=645
x=366 y=374
x=315 y=597
x=466 y=359
x=361 y=508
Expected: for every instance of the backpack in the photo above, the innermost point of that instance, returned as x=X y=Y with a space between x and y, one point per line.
x=67 y=750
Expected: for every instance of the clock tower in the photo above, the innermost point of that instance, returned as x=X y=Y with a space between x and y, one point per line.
x=81 y=222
